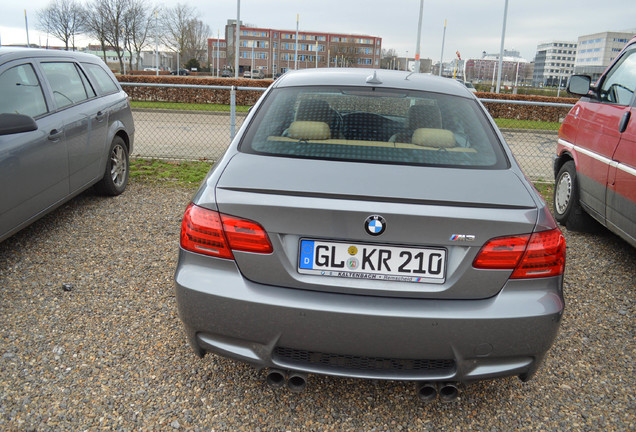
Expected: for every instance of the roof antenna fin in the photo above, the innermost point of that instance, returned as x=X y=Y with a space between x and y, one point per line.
x=373 y=79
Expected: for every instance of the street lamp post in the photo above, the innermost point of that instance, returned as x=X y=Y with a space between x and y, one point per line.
x=238 y=38
x=501 y=50
x=218 y=47
x=296 y=44
x=419 y=36
x=156 y=44
x=441 y=57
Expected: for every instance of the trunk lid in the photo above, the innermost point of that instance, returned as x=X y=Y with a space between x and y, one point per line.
x=454 y=210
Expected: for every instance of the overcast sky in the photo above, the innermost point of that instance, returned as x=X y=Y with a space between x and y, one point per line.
x=473 y=26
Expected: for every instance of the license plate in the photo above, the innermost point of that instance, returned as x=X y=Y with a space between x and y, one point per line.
x=372 y=261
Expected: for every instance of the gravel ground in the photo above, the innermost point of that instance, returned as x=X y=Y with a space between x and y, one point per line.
x=107 y=350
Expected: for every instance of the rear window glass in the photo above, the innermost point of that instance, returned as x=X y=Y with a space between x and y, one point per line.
x=100 y=77
x=374 y=125
x=69 y=85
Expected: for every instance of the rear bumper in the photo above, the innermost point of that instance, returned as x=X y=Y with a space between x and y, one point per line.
x=365 y=336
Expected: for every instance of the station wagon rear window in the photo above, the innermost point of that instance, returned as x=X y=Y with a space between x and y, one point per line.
x=374 y=125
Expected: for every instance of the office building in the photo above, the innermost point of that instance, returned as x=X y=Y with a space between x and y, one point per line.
x=596 y=51
x=276 y=51
x=514 y=69
x=553 y=63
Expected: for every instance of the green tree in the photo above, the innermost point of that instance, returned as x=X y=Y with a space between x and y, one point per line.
x=193 y=64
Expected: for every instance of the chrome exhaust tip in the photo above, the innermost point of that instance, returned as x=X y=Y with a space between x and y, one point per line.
x=426 y=391
x=448 y=392
x=297 y=382
x=276 y=378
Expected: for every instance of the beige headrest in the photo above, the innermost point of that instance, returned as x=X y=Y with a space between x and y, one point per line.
x=442 y=138
x=309 y=130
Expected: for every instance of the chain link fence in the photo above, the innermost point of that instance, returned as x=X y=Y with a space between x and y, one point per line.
x=177 y=131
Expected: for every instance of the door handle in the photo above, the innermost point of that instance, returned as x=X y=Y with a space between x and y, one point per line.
x=55 y=134
x=624 y=121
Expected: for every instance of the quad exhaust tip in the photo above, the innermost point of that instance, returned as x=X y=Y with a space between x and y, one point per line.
x=430 y=391
x=296 y=381
x=448 y=392
x=276 y=378
x=426 y=391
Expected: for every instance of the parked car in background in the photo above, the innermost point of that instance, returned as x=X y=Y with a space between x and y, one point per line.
x=371 y=225
x=183 y=72
x=65 y=125
x=226 y=73
x=468 y=85
x=258 y=74
x=595 y=168
x=247 y=74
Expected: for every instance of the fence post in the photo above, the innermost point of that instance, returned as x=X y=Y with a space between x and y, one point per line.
x=232 y=112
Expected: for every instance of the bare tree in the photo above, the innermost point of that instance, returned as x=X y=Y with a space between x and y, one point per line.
x=175 y=23
x=62 y=19
x=388 y=58
x=106 y=18
x=95 y=24
x=183 y=33
x=347 y=53
x=196 y=41
x=137 y=25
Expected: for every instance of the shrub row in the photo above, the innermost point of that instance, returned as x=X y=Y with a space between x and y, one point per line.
x=526 y=112
x=148 y=73
x=187 y=95
x=214 y=96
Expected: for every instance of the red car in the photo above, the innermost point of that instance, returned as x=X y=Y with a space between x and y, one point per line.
x=595 y=167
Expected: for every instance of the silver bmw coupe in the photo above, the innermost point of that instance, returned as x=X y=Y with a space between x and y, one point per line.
x=371 y=224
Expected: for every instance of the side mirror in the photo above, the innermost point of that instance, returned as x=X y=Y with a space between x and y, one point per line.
x=16 y=123
x=579 y=85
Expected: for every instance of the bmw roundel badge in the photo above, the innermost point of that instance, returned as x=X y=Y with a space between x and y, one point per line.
x=375 y=225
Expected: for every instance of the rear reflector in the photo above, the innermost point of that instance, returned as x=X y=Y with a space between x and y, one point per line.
x=541 y=254
x=208 y=232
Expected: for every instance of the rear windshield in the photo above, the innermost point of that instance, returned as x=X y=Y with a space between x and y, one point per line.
x=374 y=125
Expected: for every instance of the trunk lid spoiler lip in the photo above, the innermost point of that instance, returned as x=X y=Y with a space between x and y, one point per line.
x=370 y=198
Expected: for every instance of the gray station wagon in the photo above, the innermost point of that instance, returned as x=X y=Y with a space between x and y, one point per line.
x=65 y=125
x=371 y=225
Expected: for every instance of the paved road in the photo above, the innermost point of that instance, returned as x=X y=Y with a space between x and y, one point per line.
x=190 y=135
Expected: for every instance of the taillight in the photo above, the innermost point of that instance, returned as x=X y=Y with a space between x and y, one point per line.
x=501 y=253
x=245 y=235
x=202 y=232
x=541 y=254
x=544 y=257
x=210 y=233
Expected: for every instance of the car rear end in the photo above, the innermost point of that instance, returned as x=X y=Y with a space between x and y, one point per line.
x=336 y=240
